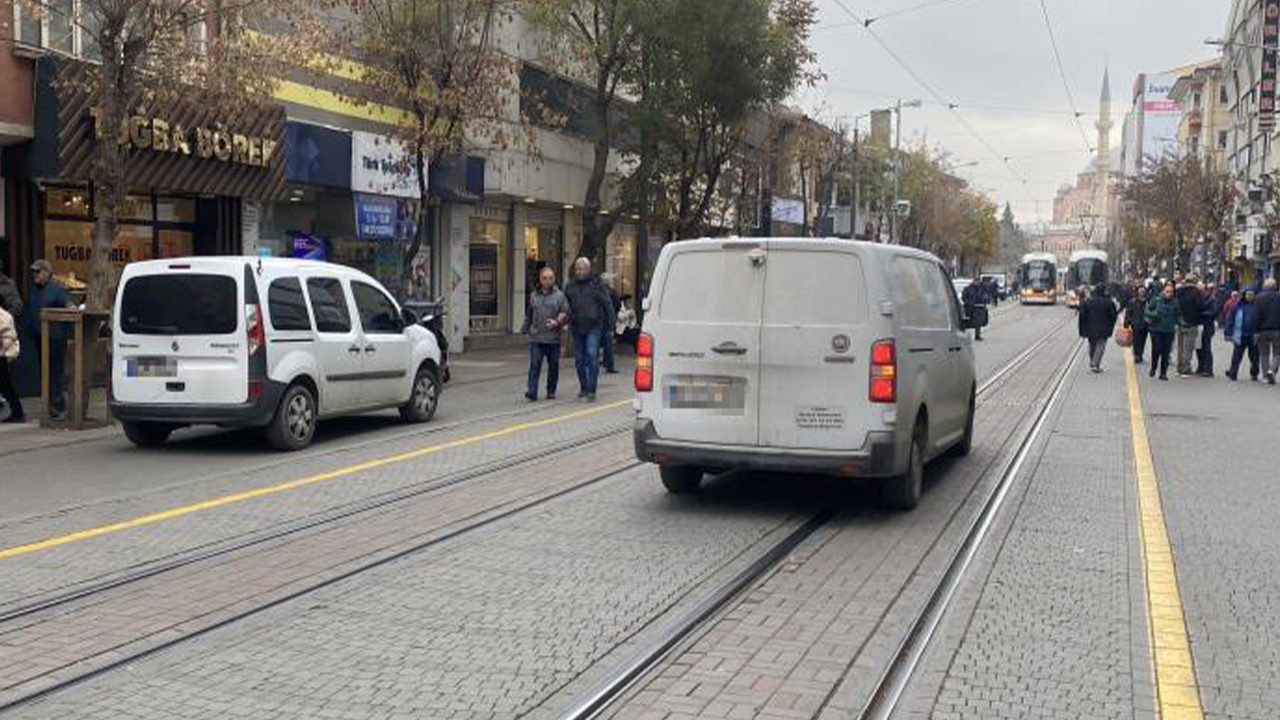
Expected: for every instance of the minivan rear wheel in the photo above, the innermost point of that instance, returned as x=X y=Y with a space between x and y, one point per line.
x=147 y=434
x=294 y=424
x=681 y=479
x=904 y=491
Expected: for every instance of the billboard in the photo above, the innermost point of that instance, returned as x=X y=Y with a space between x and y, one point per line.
x=1160 y=117
x=1271 y=48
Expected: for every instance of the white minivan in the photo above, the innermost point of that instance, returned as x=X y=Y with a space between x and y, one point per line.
x=825 y=356
x=262 y=342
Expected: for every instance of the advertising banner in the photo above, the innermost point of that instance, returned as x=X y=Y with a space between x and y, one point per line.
x=309 y=247
x=381 y=166
x=788 y=211
x=1267 y=79
x=379 y=217
x=1161 y=117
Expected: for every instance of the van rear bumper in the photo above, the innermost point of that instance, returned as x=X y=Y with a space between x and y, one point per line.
x=879 y=458
x=254 y=414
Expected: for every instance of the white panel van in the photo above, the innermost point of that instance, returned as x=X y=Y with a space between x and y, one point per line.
x=826 y=356
x=262 y=342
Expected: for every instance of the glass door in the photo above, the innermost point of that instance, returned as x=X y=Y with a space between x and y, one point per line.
x=489 y=285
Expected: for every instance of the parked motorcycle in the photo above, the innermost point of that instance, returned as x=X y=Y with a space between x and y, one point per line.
x=431 y=315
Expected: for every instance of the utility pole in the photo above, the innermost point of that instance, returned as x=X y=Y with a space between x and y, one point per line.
x=894 y=225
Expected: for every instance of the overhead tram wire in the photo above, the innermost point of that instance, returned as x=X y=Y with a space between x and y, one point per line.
x=891 y=14
x=937 y=96
x=1062 y=74
x=960 y=105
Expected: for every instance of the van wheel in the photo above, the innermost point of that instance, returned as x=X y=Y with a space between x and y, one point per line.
x=904 y=491
x=681 y=479
x=147 y=434
x=425 y=397
x=965 y=446
x=294 y=424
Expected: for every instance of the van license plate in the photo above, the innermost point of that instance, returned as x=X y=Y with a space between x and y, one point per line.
x=722 y=395
x=152 y=367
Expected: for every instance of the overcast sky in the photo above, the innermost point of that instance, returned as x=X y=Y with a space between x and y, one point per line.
x=996 y=53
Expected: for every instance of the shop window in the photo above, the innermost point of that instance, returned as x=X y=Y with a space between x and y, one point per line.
x=377 y=313
x=176 y=210
x=286 y=305
x=488 y=282
x=69 y=202
x=543 y=249
x=622 y=263
x=329 y=305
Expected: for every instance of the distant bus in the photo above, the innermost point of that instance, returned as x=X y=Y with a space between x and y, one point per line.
x=1038 y=279
x=1086 y=267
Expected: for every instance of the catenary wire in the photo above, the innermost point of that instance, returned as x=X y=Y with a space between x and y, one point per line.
x=1062 y=73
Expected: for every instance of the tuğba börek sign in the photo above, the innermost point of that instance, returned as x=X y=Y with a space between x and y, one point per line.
x=212 y=143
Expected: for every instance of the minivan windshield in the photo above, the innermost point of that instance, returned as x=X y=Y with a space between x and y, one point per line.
x=179 y=304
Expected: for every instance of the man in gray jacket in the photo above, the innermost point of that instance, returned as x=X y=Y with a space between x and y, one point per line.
x=547 y=314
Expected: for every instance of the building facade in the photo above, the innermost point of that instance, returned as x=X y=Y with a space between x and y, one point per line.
x=1205 y=129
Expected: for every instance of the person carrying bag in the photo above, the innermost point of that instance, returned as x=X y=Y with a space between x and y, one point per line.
x=9 y=351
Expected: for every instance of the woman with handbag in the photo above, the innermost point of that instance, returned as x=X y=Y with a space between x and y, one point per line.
x=1135 y=318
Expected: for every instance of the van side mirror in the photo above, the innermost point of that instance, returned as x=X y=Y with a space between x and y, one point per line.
x=408 y=317
x=644 y=305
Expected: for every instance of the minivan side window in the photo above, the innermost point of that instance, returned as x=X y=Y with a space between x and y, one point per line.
x=377 y=313
x=908 y=296
x=329 y=305
x=937 y=308
x=951 y=296
x=286 y=305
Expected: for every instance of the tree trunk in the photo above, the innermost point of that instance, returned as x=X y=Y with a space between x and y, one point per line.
x=110 y=178
x=596 y=227
x=419 y=222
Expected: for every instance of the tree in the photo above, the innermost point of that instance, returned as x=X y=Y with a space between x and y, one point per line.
x=823 y=156
x=1172 y=205
x=603 y=37
x=154 y=53
x=438 y=60
x=1012 y=241
x=948 y=218
x=709 y=66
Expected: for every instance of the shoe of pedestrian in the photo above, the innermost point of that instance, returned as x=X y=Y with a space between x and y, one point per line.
x=1231 y=376
x=1271 y=378
x=610 y=372
x=591 y=397
x=1153 y=371
x=582 y=394
x=1254 y=378
x=530 y=397
x=1164 y=378
x=18 y=419
x=551 y=396
x=1137 y=361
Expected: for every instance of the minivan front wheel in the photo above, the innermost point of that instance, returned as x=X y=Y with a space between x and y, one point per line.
x=425 y=397
x=904 y=491
x=681 y=479
x=147 y=434
x=294 y=424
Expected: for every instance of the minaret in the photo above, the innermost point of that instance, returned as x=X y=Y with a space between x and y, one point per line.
x=1102 y=163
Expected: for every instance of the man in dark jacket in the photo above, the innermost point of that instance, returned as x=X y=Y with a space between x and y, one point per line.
x=47 y=293
x=1208 y=328
x=606 y=341
x=1097 y=322
x=1268 y=309
x=1135 y=318
x=1191 y=304
x=974 y=296
x=591 y=311
x=548 y=313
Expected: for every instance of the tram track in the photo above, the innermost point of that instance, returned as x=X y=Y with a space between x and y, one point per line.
x=601 y=696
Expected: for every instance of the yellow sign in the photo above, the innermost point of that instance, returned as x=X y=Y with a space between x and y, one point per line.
x=211 y=143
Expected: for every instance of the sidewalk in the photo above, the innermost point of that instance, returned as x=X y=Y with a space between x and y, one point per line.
x=470 y=368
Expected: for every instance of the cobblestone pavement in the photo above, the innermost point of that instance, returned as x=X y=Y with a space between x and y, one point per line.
x=1051 y=621
x=809 y=640
x=1215 y=448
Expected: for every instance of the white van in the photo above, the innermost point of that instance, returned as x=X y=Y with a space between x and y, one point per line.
x=262 y=342
x=826 y=356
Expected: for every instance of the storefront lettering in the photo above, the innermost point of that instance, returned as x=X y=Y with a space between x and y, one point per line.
x=81 y=254
x=158 y=135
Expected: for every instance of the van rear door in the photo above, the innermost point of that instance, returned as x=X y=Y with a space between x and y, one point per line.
x=816 y=347
x=180 y=337
x=706 y=332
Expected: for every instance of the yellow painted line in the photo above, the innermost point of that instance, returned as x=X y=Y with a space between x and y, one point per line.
x=301 y=482
x=1177 y=691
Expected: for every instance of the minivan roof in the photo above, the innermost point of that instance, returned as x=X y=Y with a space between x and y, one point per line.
x=806 y=244
x=233 y=262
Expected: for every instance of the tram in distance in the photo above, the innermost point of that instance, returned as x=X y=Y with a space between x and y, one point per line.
x=1038 y=279
x=1088 y=268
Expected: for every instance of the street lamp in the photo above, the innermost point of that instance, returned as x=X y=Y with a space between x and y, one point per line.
x=894 y=225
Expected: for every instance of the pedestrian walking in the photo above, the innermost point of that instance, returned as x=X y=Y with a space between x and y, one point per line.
x=1241 y=330
x=1097 y=322
x=10 y=298
x=548 y=313
x=591 y=315
x=1208 y=328
x=627 y=329
x=1191 y=306
x=1162 y=316
x=973 y=298
x=1135 y=318
x=47 y=293
x=1268 y=309
x=607 y=340
x=9 y=350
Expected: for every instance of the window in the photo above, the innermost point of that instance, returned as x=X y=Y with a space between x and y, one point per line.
x=329 y=305
x=180 y=304
x=712 y=287
x=920 y=294
x=1224 y=139
x=793 y=277
x=953 y=301
x=1223 y=96
x=1196 y=101
x=378 y=314
x=286 y=305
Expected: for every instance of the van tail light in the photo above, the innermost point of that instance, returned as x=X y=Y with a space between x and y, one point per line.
x=884 y=372
x=255 y=390
x=644 y=363
x=257 y=334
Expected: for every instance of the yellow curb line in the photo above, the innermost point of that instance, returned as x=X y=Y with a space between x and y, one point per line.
x=301 y=482
x=1177 y=691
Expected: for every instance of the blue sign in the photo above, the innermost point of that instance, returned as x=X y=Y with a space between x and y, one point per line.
x=315 y=155
x=379 y=217
x=309 y=247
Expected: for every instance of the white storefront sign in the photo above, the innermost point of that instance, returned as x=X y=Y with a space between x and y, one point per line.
x=381 y=166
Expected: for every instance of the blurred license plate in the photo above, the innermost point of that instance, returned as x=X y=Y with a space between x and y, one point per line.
x=156 y=367
x=724 y=395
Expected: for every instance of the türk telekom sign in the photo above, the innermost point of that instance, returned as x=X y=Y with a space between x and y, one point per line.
x=1271 y=48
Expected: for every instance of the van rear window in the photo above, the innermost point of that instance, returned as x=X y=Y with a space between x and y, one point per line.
x=712 y=287
x=815 y=288
x=179 y=304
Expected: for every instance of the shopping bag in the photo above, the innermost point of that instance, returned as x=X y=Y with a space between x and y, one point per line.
x=1124 y=337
